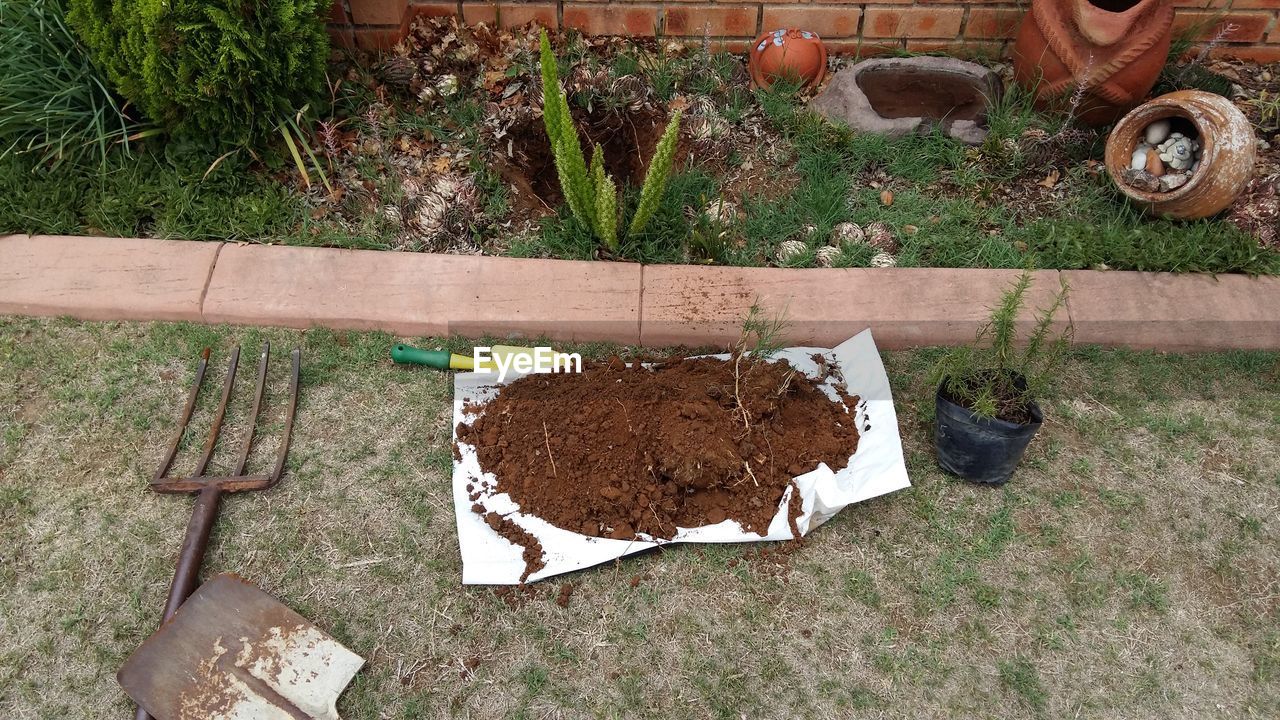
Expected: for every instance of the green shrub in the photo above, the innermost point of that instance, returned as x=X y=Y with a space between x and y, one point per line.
x=228 y=70
x=54 y=103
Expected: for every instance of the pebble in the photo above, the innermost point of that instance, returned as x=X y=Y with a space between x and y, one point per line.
x=1154 y=165
x=1141 y=179
x=1157 y=132
x=1172 y=181
x=1139 y=159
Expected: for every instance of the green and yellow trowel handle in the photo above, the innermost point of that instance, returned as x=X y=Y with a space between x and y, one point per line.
x=445 y=360
x=439 y=359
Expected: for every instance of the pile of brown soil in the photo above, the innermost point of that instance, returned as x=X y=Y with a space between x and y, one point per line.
x=621 y=449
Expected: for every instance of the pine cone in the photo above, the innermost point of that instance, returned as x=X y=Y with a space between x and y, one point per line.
x=397 y=72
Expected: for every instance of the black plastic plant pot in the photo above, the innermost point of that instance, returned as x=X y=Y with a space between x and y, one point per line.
x=978 y=449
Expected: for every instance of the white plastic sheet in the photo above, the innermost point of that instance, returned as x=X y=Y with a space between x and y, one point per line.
x=876 y=468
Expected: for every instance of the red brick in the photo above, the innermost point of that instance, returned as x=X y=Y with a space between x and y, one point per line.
x=993 y=22
x=376 y=39
x=863 y=48
x=1249 y=26
x=1221 y=4
x=338 y=14
x=964 y=49
x=912 y=22
x=378 y=12
x=513 y=15
x=476 y=13
x=828 y=22
x=1256 y=53
x=342 y=37
x=711 y=20
x=429 y=9
x=612 y=19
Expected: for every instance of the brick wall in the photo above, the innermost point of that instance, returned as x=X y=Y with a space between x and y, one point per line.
x=962 y=27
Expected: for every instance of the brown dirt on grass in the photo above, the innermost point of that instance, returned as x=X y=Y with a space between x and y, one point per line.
x=620 y=449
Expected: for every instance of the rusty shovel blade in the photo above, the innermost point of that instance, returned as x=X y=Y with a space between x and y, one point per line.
x=233 y=652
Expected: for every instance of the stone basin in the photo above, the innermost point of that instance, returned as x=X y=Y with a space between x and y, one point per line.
x=905 y=96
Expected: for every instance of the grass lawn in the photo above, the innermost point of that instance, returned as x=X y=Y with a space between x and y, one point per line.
x=1129 y=570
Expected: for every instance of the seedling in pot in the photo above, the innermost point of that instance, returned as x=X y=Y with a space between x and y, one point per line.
x=986 y=399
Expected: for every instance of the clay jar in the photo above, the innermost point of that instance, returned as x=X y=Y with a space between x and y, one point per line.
x=1114 y=49
x=1226 y=162
x=795 y=54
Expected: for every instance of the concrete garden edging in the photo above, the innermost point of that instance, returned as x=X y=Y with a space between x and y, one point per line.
x=419 y=294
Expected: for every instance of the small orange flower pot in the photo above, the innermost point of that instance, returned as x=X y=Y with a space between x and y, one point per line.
x=794 y=54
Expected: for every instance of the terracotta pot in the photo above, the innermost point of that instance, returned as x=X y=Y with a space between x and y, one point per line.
x=1227 y=143
x=795 y=54
x=1114 y=49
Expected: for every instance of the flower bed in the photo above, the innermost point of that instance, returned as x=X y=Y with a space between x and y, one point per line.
x=439 y=146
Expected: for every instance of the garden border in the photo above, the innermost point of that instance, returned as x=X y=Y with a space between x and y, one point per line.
x=416 y=294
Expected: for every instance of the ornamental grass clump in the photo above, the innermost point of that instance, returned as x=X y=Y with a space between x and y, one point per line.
x=591 y=194
x=54 y=104
x=227 y=70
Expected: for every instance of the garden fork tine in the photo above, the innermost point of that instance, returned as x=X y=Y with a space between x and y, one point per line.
x=209 y=489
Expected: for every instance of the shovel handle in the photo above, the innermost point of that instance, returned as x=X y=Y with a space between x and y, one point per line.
x=190 y=557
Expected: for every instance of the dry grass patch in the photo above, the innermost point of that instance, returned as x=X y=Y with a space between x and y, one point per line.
x=1129 y=570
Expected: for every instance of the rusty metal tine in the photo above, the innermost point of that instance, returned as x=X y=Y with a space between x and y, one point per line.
x=263 y=357
x=212 y=440
x=288 y=418
x=184 y=419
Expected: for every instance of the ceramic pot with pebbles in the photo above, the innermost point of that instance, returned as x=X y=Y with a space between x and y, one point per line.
x=797 y=55
x=1184 y=155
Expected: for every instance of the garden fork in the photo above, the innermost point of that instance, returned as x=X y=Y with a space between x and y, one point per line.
x=209 y=488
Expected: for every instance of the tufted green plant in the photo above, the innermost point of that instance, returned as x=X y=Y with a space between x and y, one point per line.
x=223 y=69
x=591 y=194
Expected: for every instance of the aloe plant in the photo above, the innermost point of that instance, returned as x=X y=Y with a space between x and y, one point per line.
x=591 y=194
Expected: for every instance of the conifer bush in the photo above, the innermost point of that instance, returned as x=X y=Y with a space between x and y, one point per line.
x=226 y=69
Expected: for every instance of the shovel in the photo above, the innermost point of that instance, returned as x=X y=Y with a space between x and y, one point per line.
x=232 y=651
